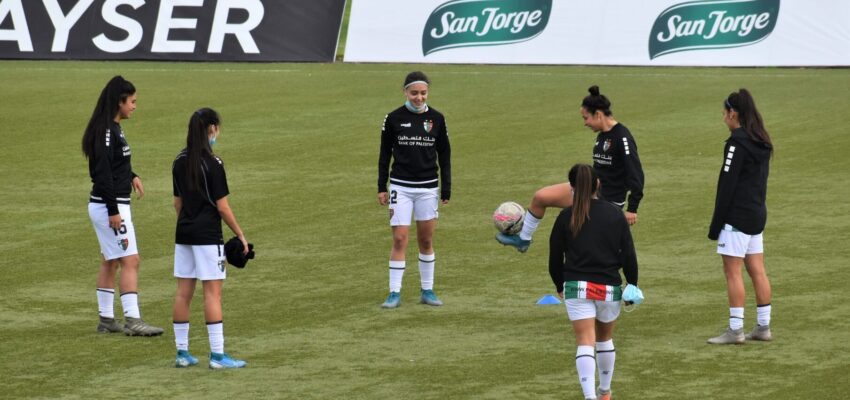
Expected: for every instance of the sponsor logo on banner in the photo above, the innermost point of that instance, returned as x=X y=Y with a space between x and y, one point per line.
x=467 y=23
x=223 y=30
x=700 y=25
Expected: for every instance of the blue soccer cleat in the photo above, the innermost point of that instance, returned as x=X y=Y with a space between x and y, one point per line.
x=430 y=298
x=224 y=361
x=513 y=240
x=393 y=300
x=185 y=359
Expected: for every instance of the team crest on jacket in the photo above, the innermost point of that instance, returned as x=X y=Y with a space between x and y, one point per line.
x=428 y=124
x=606 y=145
x=124 y=243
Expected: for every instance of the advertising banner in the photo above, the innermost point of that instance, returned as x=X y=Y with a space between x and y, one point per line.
x=202 y=30
x=611 y=32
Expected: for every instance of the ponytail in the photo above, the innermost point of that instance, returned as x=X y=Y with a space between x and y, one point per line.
x=584 y=181
x=596 y=102
x=198 y=144
x=748 y=115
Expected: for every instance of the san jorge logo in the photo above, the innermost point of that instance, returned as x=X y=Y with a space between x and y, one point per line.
x=717 y=24
x=466 y=23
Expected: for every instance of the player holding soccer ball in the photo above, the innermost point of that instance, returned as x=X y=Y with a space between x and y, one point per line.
x=615 y=159
x=589 y=244
x=415 y=137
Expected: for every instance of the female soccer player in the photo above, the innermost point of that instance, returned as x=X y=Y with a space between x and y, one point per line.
x=740 y=214
x=113 y=179
x=200 y=199
x=615 y=160
x=590 y=242
x=415 y=137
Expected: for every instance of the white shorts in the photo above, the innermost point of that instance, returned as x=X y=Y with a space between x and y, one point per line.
x=735 y=243
x=114 y=243
x=603 y=311
x=404 y=201
x=204 y=262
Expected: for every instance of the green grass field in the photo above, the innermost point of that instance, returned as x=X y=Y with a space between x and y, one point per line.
x=300 y=143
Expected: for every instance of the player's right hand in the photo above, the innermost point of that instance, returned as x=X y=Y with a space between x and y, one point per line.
x=115 y=221
x=383 y=198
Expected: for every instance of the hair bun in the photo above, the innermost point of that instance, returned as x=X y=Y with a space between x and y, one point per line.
x=594 y=90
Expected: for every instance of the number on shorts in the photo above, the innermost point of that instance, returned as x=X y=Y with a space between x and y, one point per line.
x=393 y=195
x=122 y=230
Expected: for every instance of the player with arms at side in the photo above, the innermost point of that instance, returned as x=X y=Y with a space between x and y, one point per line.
x=113 y=179
x=589 y=244
x=414 y=136
x=200 y=199
x=740 y=215
x=615 y=160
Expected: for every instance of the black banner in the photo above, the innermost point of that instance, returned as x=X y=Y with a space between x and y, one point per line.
x=200 y=30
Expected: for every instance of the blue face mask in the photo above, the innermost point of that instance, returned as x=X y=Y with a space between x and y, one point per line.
x=212 y=141
x=414 y=109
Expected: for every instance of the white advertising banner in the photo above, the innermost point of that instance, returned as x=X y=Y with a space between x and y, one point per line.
x=609 y=32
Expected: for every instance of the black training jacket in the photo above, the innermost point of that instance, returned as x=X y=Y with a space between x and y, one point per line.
x=603 y=246
x=110 y=170
x=419 y=147
x=616 y=161
x=742 y=186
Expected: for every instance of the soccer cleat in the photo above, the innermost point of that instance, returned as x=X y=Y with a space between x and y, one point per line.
x=730 y=336
x=185 y=359
x=224 y=361
x=393 y=300
x=760 y=333
x=430 y=298
x=513 y=240
x=108 y=325
x=138 y=327
x=603 y=395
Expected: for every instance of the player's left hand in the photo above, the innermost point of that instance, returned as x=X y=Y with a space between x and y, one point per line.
x=631 y=218
x=444 y=201
x=138 y=187
x=561 y=295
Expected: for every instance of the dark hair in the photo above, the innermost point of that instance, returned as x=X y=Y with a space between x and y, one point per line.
x=116 y=91
x=584 y=181
x=748 y=115
x=416 y=76
x=198 y=143
x=596 y=102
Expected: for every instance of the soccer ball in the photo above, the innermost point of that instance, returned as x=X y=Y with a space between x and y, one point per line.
x=508 y=218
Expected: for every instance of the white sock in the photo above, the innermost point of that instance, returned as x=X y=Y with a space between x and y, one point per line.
x=736 y=318
x=586 y=367
x=396 y=273
x=105 y=300
x=763 y=317
x=426 y=270
x=181 y=335
x=605 y=357
x=215 y=330
x=529 y=225
x=130 y=304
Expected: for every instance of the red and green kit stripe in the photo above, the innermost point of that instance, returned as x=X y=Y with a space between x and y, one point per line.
x=591 y=291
